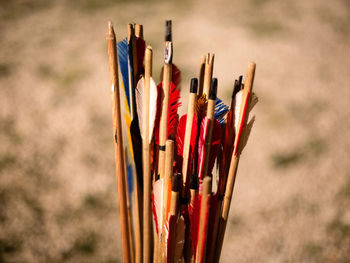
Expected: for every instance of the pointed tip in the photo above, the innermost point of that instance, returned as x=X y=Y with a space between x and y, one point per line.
x=139 y=31
x=207 y=58
x=236 y=87
x=131 y=30
x=240 y=81
x=202 y=59
x=148 y=58
x=110 y=28
x=212 y=59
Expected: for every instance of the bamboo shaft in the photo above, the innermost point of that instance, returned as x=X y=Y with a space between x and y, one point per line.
x=137 y=217
x=174 y=204
x=248 y=86
x=208 y=73
x=167 y=73
x=133 y=70
x=188 y=130
x=163 y=127
x=188 y=252
x=118 y=142
x=210 y=116
x=203 y=220
x=139 y=31
x=169 y=162
x=147 y=187
x=201 y=76
x=229 y=187
x=131 y=34
x=226 y=205
x=234 y=160
x=131 y=228
x=173 y=212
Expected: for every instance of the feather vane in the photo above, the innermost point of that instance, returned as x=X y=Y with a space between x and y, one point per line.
x=173 y=117
x=123 y=57
x=139 y=95
x=220 y=111
x=175 y=76
x=227 y=149
x=157 y=203
x=214 y=147
x=180 y=140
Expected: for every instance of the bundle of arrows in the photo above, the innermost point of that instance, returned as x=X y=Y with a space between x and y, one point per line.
x=175 y=175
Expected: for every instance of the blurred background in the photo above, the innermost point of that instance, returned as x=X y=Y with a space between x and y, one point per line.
x=58 y=199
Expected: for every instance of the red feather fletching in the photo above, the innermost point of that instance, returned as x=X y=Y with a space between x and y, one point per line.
x=214 y=146
x=174 y=104
x=227 y=144
x=180 y=140
x=175 y=76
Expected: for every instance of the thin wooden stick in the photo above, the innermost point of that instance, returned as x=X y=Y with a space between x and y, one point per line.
x=222 y=184
x=208 y=73
x=175 y=188
x=234 y=161
x=165 y=102
x=189 y=257
x=188 y=130
x=134 y=228
x=210 y=116
x=146 y=162
x=221 y=188
x=169 y=164
x=203 y=220
x=193 y=189
x=226 y=204
x=137 y=217
x=173 y=212
x=201 y=76
x=131 y=38
x=139 y=31
x=118 y=142
x=169 y=167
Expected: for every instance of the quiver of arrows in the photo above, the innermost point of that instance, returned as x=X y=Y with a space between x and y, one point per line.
x=175 y=175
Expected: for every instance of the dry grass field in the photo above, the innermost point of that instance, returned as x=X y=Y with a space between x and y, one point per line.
x=58 y=199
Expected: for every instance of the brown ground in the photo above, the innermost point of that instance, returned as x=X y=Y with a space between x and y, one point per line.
x=58 y=200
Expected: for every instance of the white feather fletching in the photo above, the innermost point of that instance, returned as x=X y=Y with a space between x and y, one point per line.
x=158 y=201
x=237 y=108
x=139 y=96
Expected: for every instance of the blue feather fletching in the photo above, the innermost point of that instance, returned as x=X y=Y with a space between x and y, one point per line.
x=220 y=111
x=130 y=178
x=123 y=57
